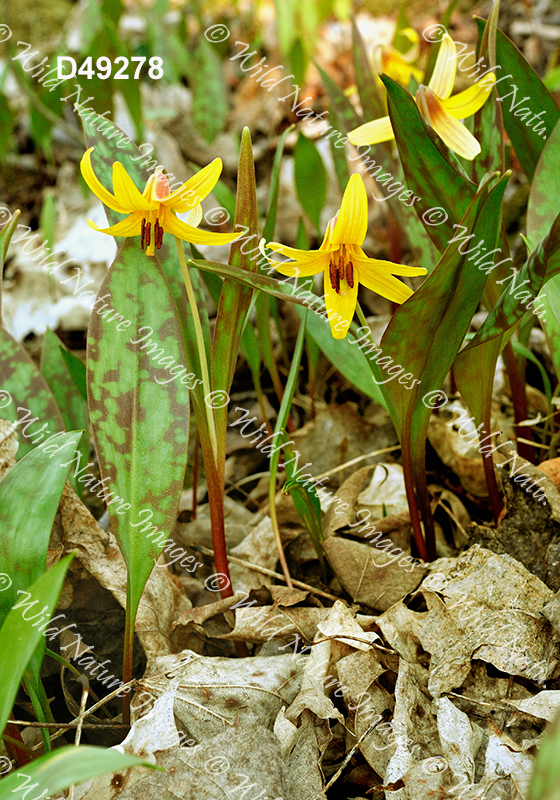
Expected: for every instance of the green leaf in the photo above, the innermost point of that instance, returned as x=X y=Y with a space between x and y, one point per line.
x=19 y=639
x=348 y=117
x=76 y=369
x=235 y=298
x=372 y=107
x=545 y=783
x=139 y=408
x=541 y=213
x=71 y=403
x=29 y=497
x=523 y=86
x=349 y=360
x=310 y=177
x=24 y=388
x=439 y=312
x=438 y=184
x=66 y=767
x=206 y=76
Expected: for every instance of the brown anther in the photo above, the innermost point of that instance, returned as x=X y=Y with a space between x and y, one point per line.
x=143 y=234
x=148 y=234
x=334 y=276
x=350 y=274
x=341 y=268
x=158 y=234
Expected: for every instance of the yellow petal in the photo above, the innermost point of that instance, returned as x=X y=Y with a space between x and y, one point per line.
x=467 y=103
x=443 y=76
x=380 y=130
x=126 y=192
x=194 y=216
x=351 y=223
x=340 y=307
x=187 y=233
x=307 y=262
x=359 y=257
x=383 y=283
x=195 y=189
x=453 y=132
x=396 y=66
x=131 y=226
x=97 y=188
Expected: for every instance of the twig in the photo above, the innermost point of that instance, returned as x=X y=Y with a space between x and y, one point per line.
x=206 y=551
x=338 y=773
x=357 y=460
x=85 y=691
x=69 y=725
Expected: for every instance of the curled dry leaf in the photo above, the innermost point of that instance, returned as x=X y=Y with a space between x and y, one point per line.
x=457 y=454
x=489 y=609
x=98 y=551
x=8 y=446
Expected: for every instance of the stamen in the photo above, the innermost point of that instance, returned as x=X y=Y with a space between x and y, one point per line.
x=143 y=234
x=148 y=234
x=158 y=235
x=350 y=274
x=334 y=276
x=341 y=268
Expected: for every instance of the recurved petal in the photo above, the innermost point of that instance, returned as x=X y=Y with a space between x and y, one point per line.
x=195 y=189
x=467 y=103
x=188 y=233
x=351 y=222
x=194 y=216
x=453 y=132
x=126 y=191
x=307 y=262
x=380 y=130
x=389 y=267
x=443 y=76
x=340 y=307
x=131 y=226
x=383 y=283
x=97 y=187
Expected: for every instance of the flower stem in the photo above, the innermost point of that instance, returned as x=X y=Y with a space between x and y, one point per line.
x=200 y=343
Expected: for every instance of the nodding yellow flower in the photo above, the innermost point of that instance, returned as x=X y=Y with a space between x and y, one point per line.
x=436 y=105
x=345 y=264
x=151 y=212
x=399 y=65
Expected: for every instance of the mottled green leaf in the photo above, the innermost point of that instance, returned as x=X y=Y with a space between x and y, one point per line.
x=488 y=122
x=310 y=177
x=24 y=388
x=206 y=76
x=522 y=91
x=19 y=639
x=76 y=369
x=348 y=117
x=139 y=408
x=444 y=190
x=372 y=107
x=66 y=767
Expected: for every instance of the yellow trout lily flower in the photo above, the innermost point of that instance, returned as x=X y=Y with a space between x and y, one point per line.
x=398 y=65
x=436 y=105
x=345 y=264
x=151 y=212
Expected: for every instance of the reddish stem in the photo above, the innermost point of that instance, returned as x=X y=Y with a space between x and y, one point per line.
x=519 y=398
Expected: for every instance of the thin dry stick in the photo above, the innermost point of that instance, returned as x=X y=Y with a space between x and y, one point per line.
x=206 y=551
x=337 y=774
x=68 y=725
x=85 y=691
x=90 y=711
x=357 y=460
